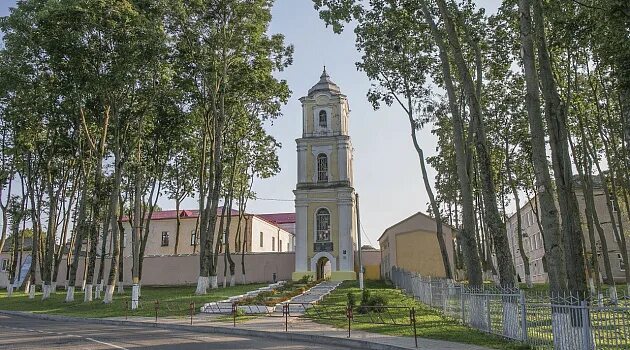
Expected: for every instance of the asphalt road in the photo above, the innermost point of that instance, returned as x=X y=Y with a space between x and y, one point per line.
x=27 y=333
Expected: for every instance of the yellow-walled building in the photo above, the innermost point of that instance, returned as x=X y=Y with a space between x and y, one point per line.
x=412 y=245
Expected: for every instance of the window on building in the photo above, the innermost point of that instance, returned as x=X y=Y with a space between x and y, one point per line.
x=280 y=245
x=322 y=167
x=164 y=239
x=323 y=119
x=4 y=264
x=193 y=237
x=323 y=225
x=273 y=244
x=261 y=240
x=622 y=266
x=288 y=247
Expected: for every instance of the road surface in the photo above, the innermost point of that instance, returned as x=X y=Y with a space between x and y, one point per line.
x=27 y=333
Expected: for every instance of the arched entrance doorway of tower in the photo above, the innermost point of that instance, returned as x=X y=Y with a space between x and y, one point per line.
x=323 y=268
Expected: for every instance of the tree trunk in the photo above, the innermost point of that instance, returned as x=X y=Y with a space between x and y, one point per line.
x=137 y=232
x=434 y=206
x=519 y=223
x=113 y=224
x=548 y=212
x=467 y=235
x=177 y=225
x=555 y=113
x=493 y=218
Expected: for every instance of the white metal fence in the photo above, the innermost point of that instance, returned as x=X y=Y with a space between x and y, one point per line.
x=563 y=323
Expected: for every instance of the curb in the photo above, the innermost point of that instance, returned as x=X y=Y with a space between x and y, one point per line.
x=308 y=338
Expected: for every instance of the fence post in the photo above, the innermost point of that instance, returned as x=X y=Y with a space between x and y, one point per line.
x=157 y=306
x=430 y=292
x=349 y=316
x=285 y=310
x=523 y=310
x=461 y=301
x=234 y=308
x=126 y=308
x=586 y=329
x=192 y=310
x=489 y=320
x=412 y=314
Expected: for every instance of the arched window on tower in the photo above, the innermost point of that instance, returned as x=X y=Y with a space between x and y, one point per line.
x=323 y=225
x=322 y=167
x=323 y=119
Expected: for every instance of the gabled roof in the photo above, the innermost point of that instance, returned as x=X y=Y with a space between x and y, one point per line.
x=411 y=217
x=279 y=218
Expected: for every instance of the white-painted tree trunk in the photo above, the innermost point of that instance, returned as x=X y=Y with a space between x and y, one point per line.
x=224 y=281
x=97 y=292
x=31 y=291
x=232 y=281
x=70 y=294
x=27 y=286
x=139 y=290
x=214 y=282
x=121 y=288
x=511 y=320
x=45 y=291
x=83 y=284
x=88 y=293
x=202 y=285
x=243 y=279
x=568 y=334
x=109 y=294
x=135 y=295
x=53 y=288
x=613 y=294
x=9 y=290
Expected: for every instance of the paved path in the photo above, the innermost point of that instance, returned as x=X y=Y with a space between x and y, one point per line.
x=313 y=295
x=310 y=328
x=18 y=332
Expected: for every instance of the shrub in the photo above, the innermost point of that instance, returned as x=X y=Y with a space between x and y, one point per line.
x=306 y=279
x=371 y=303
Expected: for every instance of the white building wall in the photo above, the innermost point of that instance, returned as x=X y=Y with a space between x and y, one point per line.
x=271 y=237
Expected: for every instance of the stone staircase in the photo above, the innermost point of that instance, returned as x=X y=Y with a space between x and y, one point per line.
x=306 y=300
x=225 y=306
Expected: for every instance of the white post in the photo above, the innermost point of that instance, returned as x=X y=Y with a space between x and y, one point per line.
x=135 y=294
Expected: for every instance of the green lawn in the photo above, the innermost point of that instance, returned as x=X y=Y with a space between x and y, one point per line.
x=173 y=301
x=429 y=323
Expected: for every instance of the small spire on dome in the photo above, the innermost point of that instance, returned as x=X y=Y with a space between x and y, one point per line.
x=324 y=74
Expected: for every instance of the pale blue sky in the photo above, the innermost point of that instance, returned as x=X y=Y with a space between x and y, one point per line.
x=386 y=168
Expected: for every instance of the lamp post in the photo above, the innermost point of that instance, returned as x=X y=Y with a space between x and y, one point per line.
x=359 y=242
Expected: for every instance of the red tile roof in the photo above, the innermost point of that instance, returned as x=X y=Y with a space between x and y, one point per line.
x=279 y=218
x=172 y=214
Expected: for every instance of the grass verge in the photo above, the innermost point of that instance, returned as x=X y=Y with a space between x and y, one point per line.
x=173 y=301
x=429 y=323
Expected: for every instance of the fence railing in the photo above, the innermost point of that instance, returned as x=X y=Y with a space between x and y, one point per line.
x=564 y=323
